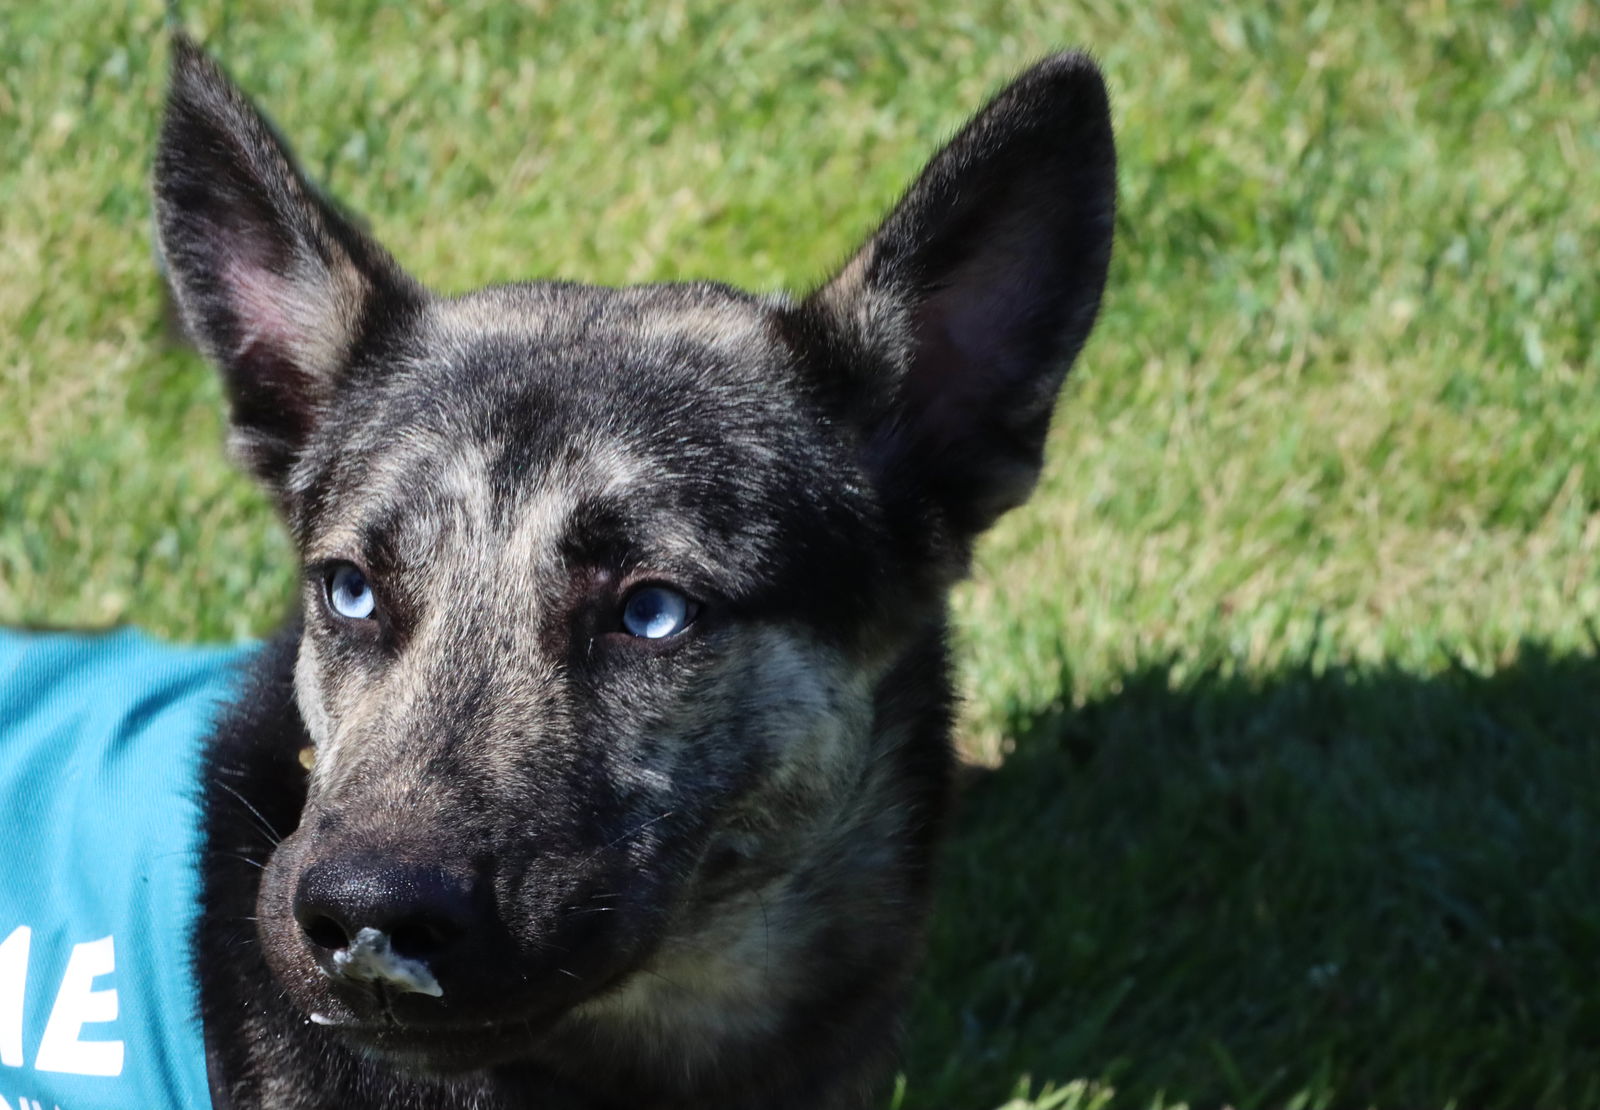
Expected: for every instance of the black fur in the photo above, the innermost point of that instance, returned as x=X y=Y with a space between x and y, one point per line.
x=675 y=873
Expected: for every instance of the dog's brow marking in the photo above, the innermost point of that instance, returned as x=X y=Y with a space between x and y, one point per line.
x=618 y=469
x=540 y=518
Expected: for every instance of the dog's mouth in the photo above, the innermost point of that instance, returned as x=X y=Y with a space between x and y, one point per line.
x=423 y=1031
x=440 y=1049
x=420 y=1035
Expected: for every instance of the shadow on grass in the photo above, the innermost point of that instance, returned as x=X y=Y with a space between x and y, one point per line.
x=1352 y=888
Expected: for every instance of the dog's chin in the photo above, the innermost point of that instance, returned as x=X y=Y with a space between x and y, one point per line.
x=440 y=1053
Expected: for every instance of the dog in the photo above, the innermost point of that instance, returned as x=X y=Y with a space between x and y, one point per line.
x=605 y=762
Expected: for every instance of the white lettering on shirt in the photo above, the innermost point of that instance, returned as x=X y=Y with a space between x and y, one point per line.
x=79 y=1004
x=13 y=990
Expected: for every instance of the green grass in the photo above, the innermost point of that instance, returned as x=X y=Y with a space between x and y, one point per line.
x=1289 y=673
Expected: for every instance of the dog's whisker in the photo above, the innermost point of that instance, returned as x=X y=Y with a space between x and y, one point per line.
x=627 y=836
x=263 y=825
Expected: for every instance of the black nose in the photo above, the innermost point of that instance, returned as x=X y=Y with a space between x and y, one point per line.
x=377 y=908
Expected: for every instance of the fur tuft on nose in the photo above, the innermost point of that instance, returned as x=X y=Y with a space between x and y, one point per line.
x=375 y=920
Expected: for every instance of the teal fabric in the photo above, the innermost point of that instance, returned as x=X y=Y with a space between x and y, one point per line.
x=99 y=741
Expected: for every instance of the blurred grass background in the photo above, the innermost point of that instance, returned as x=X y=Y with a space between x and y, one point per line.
x=1288 y=673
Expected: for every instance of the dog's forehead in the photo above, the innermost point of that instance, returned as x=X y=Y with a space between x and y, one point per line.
x=558 y=362
x=636 y=317
x=670 y=415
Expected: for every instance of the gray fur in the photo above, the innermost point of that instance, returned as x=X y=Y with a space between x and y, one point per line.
x=681 y=873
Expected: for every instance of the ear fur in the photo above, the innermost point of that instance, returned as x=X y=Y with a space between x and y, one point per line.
x=976 y=295
x=275 y=286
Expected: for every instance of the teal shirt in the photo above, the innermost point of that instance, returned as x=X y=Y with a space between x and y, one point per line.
x=99 y=745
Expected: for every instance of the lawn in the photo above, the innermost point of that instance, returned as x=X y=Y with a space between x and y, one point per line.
x=1284 y=690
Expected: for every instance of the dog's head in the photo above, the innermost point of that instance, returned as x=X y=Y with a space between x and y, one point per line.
x=600 y=585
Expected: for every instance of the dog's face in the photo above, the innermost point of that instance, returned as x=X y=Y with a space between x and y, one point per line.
x=601 y=585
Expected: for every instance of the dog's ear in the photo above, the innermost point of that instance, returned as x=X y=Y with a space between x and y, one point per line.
x=273 y=283
x=975 y=296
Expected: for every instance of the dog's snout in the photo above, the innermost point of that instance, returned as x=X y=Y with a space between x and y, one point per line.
x=372 y=919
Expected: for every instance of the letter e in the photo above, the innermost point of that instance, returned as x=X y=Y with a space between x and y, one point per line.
x=77 y=1005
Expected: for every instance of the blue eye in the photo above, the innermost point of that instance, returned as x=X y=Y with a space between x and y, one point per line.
x=656 y=612
x=350 y=594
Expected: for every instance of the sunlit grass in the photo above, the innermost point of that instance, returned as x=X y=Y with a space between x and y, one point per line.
x=1291 y=661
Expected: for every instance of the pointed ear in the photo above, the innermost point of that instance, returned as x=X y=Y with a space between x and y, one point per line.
x=275 y=286
x=973 y=299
